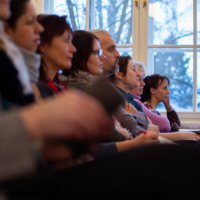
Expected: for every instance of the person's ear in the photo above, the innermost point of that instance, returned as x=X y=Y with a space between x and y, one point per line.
x=119 y=75
x=43 y=49
x=8 y=29
x=152 y=90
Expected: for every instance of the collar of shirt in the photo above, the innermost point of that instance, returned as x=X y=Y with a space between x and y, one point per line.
x=128 y=97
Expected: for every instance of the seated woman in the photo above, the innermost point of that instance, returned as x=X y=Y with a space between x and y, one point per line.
x=57 y=51
x=156 y=91
x=127 y=79
x=23 y=29
x=30 y=124
x=161 y=121
x=87 y=62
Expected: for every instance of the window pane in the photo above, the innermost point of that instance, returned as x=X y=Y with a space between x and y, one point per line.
x=177 y=65
x=198 y=21
x=114 y=16
x=124 y=51
x=76 y=11
x=170 y=22
x=198 y=80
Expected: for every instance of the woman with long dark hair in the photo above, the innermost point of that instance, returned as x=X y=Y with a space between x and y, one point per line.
x=24 y=30
x=87 y=62
x=156 y=91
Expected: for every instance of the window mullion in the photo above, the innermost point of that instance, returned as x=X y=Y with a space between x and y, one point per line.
x=135 y=31
x=87 y=15
x=143 y=33
x=195 y=57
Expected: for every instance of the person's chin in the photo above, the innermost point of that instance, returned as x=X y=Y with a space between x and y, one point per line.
x=67 y=66
x=98 y=73
x=140 y=93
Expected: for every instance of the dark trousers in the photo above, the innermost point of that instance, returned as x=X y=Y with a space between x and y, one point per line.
x=153 y=172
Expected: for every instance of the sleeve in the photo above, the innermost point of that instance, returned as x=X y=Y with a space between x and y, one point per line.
x=174 y=121
x=130 y=121
x=159 y=120
x=16 y=155
x=116 y=136
x=105 y=150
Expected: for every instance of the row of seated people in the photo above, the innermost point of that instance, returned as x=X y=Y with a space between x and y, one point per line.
x=56 y=110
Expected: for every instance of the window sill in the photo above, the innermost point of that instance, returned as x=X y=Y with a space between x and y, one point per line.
x=188 y=119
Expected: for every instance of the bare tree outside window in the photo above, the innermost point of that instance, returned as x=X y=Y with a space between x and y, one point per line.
x=75 y=10
x=172 y=24
x=115 y=16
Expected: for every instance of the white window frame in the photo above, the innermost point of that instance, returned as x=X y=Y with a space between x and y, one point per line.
x=48 y=6
x=187 y=118
x=140 y=46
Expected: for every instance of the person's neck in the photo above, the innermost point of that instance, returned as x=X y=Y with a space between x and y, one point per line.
x=153 y=102
x=122 y=86
x=32 y=61
x=51 y=71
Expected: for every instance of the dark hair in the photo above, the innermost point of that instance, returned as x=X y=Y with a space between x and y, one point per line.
x=123 y=63
x=17 y=8
x=152 y=81
x=54 y=25
x=83 y=42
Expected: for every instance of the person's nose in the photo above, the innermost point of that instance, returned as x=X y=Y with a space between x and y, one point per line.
x=117 y=55
x=168 y=92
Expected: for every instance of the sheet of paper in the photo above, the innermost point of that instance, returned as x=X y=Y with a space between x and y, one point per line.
x=165 y=141
x=190 y=130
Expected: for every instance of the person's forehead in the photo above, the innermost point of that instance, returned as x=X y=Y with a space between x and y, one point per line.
x=163 y=83
x=131 y=64
x=106 y=40
x=96 y=43
x=142 y=74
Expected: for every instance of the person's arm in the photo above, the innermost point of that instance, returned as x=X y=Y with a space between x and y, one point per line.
x=16 y=153
x=175 y=136
x=172 y=116
x=75 y=116
x=130 y=121
x=116 y=136
x=109 y=149
x=161 y=121
x=141 y=140
x=174 y=120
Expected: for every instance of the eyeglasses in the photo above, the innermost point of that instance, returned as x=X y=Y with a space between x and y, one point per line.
x=98 y=52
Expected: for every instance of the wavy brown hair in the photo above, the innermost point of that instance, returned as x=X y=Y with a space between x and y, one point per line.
x=54 y=25
x=152 y=81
